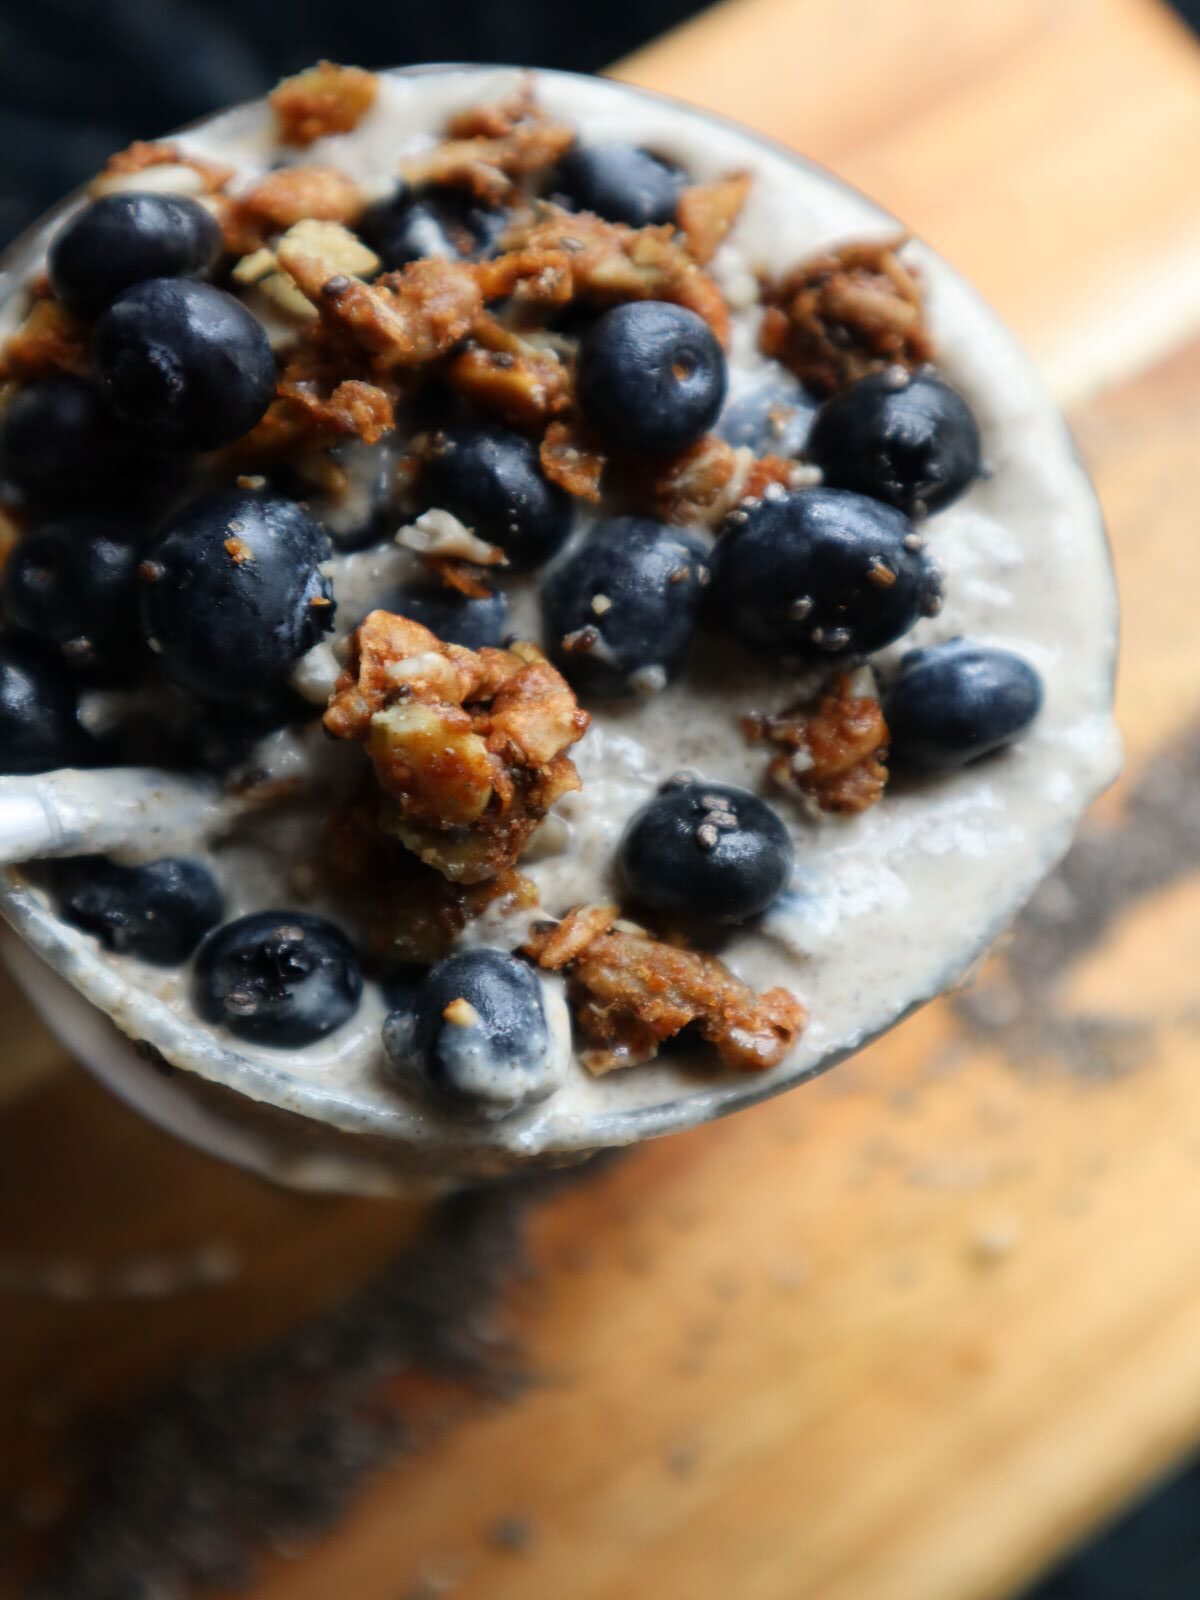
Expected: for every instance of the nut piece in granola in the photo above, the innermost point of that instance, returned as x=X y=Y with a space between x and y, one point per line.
x=611 y=262
x=630 y=992
x=707 y=211
x=489 y=146
x=833 y=753
x=468 y=747
x=845 y=313
x=324 y=99
x=50 y=339
x=404 y=319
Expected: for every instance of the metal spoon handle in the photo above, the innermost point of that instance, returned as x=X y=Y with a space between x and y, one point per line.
x=140 y=810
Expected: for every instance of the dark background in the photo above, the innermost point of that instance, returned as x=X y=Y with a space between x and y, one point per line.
x=81 y=78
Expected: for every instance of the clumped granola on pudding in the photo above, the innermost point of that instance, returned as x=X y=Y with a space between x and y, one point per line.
x=470 y=747
x=466 y=463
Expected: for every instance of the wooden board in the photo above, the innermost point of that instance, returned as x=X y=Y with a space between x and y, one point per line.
x=908 y=1333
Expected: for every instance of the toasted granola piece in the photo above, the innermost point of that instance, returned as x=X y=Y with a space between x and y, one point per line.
x=765 y=471
x=501 y=372
x=325 y=99
x=569 y=458
x=537 y=277
x=50 y=339
x=693 y=487
x=330 y=242
x=630 y=992
x=845 y=313
x=464 y=577
x=403 y=319
x=11 y=528
x=412 y=912
x=151 y=164
x=322 y=392
x=491 y=145
x=468 y=746
x=351 y=406
x=707 y=211
x=836 y=752
x=611 y=262
x=286 y=197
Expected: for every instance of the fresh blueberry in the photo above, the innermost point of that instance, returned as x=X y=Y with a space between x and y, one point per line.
x=456 y=618
x=651 y=377
x=123 y=239
x=909 y=440
x=39 y=728
x=278 y=977
x=772 y=415
x=620 y=611
x=822 y=572
x=955 y=702
x=74 y=584
x=621 y=182
x=491 y=480
x=430 y=222
x=233 y=594
x=475 y=1035
x=62 y=446
x=158 y=912
x=705 y=852
x=184 y=362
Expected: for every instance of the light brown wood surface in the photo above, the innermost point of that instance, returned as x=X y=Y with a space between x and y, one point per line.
x=909 y=1332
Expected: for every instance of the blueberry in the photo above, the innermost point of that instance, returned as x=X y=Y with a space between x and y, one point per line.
x=158 y=912
x=62 y=446
x=278 y=977
x=123 y=239
x=620 y=611
x=621 y=182
x=185 y=362
x=74 y=584
x=475 y=1035
x=651 y=377
x=955 y=702
x=707 y=852
x=911 y=441
x=772 y=414
x=455 y=618
x=491 y=480
x=232 y=594
x=822 y=572
x=430 y=222
x=39 y=728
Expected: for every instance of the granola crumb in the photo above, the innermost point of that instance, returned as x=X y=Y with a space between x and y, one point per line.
x=846 y=313
x=570 y=458
x=324 y=99
x=707 y=211
x=178 y=171
x=469 y=747
x=835 y=753
x=50 y=339
x=631 y=992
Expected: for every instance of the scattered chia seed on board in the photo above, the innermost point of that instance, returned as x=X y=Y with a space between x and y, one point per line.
x=266 y=1452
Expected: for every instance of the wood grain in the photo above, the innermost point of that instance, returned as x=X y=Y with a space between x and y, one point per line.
x=908 y=1333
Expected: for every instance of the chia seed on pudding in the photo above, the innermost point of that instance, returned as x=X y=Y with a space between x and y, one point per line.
x=412 y=275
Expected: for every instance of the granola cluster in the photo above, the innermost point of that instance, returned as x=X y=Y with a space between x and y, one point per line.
x=468 y=746
x=632 y=992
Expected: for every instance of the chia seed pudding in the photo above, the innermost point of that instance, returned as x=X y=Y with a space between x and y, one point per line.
x=648 y=621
